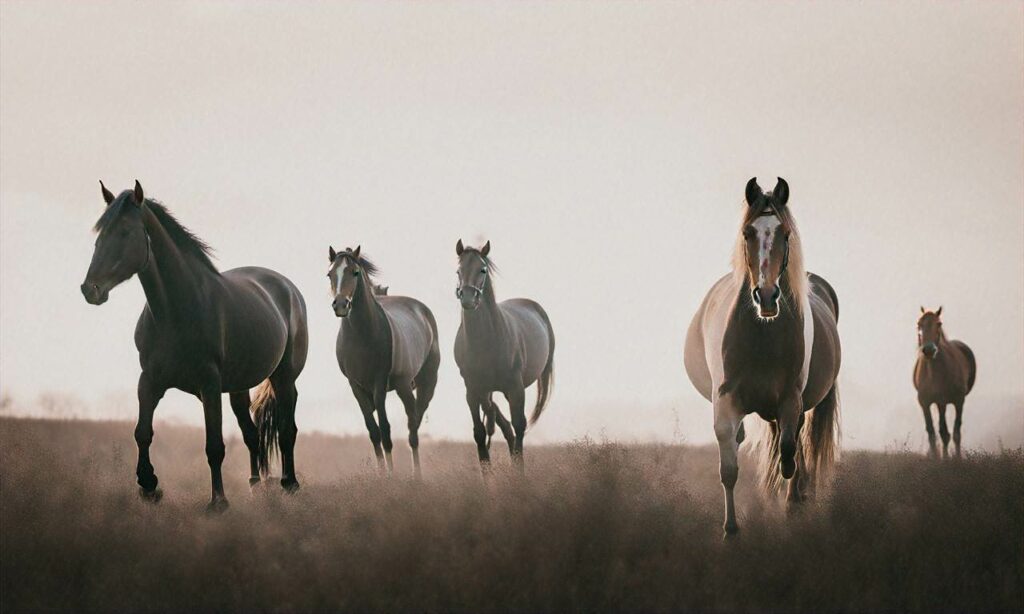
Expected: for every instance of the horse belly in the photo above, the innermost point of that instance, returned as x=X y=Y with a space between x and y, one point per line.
x=825 y=356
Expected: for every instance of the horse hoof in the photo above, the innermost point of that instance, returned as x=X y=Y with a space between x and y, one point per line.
x=254 y=482
x=148 y=482
x=290 y=485
x=217 y=505
x=151 y=496
x=731 y=532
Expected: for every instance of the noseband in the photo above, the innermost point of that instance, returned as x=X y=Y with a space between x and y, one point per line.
x=478 y=289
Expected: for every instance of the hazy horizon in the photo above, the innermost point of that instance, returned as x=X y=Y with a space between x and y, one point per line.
x=601 y=148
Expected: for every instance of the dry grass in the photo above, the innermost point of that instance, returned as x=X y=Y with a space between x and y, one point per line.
x=595 y=527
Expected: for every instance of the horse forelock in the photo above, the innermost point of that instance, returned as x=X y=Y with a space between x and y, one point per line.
x=486 y=259
x=364 y=263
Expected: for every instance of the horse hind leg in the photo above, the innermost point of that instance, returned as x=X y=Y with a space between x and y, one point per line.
x=412 y=414
x=287 y=399
x=240 y=403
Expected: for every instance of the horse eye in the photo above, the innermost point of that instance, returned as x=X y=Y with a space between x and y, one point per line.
x=484 y=271
x=355 y=273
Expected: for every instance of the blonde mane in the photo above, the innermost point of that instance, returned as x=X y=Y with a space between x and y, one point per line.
x=796 y=275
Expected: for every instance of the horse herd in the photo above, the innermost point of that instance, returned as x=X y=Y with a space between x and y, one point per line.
x=764 y=340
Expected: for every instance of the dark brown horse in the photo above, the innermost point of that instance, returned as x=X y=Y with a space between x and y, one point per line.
x=765 y=340
x=384 y=343
x=944 y=375
x=500 y=347
x=203 y=332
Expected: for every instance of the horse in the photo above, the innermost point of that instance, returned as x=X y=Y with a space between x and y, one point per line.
x=943 y=375
x=500 y=347
x=204 y=332
x=384 y=343
x=765 y=340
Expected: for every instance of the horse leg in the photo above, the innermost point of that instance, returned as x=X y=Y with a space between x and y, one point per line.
x=380 y=401
x=409 y=401
x=475 y=402
x=505 y=426
x=366 y=406
x=789 y=419
x=927 y=411
x=240 y=403
x=797 y=491
x=149 y=396
x=943 y=429
x=959 y=407
x=517 y=408
x=287 y=397
x=727 y=422
x=211 y=397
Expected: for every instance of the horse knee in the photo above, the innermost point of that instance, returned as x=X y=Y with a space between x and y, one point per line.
x=143 y=436
x=215 y=452
x=479 y=433
x=414 y=439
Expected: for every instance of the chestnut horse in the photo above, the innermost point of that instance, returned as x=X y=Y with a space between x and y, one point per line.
x=384 y=343
x=944 y=375
x=765 y=340
x=500 y=347
x=203 y=332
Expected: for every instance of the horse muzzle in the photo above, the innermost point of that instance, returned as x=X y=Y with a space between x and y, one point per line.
x=342 y=307
x=930 y=350
x=767 y=304
x=469 y=297
x=94 y=294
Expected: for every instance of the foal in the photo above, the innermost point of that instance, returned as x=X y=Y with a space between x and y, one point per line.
x=944 y=374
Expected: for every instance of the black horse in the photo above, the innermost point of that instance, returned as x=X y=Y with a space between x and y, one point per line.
x=203 y=332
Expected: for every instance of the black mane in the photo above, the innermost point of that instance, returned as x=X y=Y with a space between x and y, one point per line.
x=364 y=263
x=182 y=237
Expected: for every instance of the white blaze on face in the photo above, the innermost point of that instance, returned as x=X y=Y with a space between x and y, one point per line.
x=765 y=226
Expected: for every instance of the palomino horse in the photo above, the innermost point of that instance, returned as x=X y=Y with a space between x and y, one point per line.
x=204 y=332
x=500 y=347
x=943 y=375
x=384 y=343
x=765 y=340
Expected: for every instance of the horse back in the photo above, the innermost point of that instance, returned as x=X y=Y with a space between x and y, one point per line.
x=826 y=351
x=413 y=335
x=970 y=364
x=532 y=332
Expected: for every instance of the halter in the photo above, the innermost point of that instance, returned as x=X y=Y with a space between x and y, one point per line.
x=479 y=290
x=149 y=251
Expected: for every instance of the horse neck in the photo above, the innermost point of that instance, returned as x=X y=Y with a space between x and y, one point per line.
x=486 y=323
x=367 y=318
x=173 y=282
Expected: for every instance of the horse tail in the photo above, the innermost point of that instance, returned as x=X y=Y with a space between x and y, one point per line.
x=821 y=436
x=546 y=382
x=265 y=414
x=768 y=448
x=819 y=444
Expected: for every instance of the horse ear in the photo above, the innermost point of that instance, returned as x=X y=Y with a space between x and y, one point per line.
x=139 y=196
x=781 y=193
x=108 y=196
x=486 y=249
x=753 y=192
x=459 y=248
x=923 y=309
x=355 y=252
x=331 y=253
x=938 y=311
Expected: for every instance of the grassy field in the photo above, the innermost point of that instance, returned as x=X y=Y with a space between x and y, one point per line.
x=594 y=527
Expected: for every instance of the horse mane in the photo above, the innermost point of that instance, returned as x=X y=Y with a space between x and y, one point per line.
x=185 y=240
x=364 y=263
x=796 y=275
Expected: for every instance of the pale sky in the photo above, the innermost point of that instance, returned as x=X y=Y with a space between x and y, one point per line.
x=601 y=147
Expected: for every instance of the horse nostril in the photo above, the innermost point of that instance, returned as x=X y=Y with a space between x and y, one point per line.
x=775 y=295
x=756 y=296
